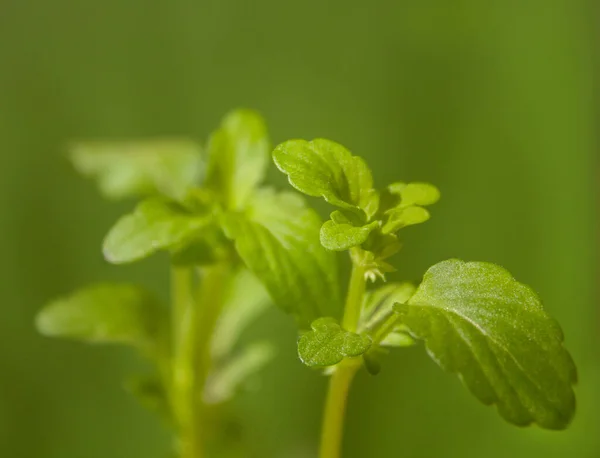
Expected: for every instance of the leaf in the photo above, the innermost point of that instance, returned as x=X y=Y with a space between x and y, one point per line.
x=140 y=167
x=246 y=300
x=341 y=237
x=405 y=216
x=104 y=313
x=238 y=157
x=479 y=322
x=415 y=193
x=378 y=303
x=223 y=384
x=328 y=344
x=154 y=225
x=278 y=239
x=323 y=168
x=398 y=338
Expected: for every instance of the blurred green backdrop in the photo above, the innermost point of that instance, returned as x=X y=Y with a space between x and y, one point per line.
x=491 y=101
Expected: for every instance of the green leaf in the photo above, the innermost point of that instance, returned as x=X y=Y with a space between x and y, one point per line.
x=154 y=225
x=398 y=338
x=404 y=216
x=479 y=322
x=246 y=300
x=238 y=157
x=323 y=168
x=227 y=380
x=328 y=344
x=378 y=303
x=278 y=239
x=104 y=313
x=146 y=167
x=341 y=237
x=415 y=193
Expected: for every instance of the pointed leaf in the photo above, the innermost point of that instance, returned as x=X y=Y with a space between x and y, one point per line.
x=145 y=167
x=479 y=322
x=278 y=240
x=328 y=344
x=239 y=156
x=323 y=168
x=103 y=313
x=154 y=225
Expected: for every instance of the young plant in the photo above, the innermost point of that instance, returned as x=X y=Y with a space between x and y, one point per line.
x=476 y=320
x=226 y=235
x=198 y=364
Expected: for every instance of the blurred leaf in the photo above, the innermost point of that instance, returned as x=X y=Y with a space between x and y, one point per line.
x=415 y=193
x=378 y=303
x=398 y=339
x=223 y=384
x=479 y=322
x=404 y=216
x=154 y=225
x=323 y=168
x=328 y=344
x=341 y=237
x=104 y=313
x=278 y=239
x=238 y=157
x=140 y=168
x=247 y=299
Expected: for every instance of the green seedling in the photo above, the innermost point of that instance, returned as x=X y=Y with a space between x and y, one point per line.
x=475 y=319
x=236 y=246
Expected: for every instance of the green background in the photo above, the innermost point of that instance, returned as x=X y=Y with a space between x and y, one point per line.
x=492 y=101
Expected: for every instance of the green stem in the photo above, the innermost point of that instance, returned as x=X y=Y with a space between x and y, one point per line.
x=335 y=411
x=354 y=299
x=339 y=383
x=211 y=298
x=194 y=320
x=183 y=383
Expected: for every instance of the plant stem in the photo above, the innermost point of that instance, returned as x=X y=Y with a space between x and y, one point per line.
x=335 y=411
x=194 y=320
x=183 y=383
x=354 y=299
x=211 y=298
x=339 y=383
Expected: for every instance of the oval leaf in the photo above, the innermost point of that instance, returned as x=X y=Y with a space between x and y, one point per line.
x=328 y=344
x=341 y=237
x=323 y=168
x=479 y=322
x=415 y=193
x=103 y=313
x=405 y=216
x=154 y=225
